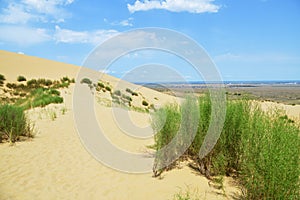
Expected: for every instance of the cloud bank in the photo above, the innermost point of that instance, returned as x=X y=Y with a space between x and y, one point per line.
x=192 y=6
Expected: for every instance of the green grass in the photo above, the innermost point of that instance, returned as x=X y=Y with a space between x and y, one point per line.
x=40 y=98
x=261 y=149
x=13 y=123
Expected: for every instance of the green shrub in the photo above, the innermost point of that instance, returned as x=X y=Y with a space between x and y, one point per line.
x=61 y=85
x=13 y=123
x=48 y=82
x=23 y=94
x=86 y=81
x=21 y=79
x=134 y=94
x=165 y=132
x=53 y=92
x=117 y=92
x=127 y=98
x=2 y=77
x=145 y=103
x=11 y=85
x=32 y=83
x=261 y=149
x=65 y=79
x=108 y=88
x=129 y=90
x=101 y=85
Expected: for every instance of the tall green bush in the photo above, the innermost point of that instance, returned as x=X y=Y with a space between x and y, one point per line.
x=261 y=149
x=13 y=123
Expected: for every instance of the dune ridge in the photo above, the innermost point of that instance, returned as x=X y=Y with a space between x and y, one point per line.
x=55 y=164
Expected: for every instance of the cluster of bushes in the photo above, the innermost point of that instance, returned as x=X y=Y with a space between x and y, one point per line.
x=40 y=98
x=99 y=86
x=120 y=98
x=13 y=123
x=36 y=92
x=117 y=96
x=261 y=149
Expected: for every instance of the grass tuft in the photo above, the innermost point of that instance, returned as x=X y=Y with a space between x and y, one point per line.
x=13 y=123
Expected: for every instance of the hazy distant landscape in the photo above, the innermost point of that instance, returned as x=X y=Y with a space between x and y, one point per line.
x=287 y=92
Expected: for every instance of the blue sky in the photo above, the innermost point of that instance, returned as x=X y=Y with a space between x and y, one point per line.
x=247 y=39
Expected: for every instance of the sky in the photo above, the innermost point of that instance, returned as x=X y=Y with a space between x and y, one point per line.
x=246 y=39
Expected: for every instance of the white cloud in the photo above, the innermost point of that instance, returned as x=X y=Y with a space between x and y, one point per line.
x=26 y=36
x=125 y=22
x=23 y=36
x=24 y=11
x=192 y=6
x=15 y=14
x=84 y=37
x=263 y=57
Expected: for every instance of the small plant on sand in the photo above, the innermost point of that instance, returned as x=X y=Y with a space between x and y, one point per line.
x=21 y=79
x=145 y=103
x=107 y=88
x=188 y=194
x=63 y=110
x=2 y=79
x=13 y=123
x=52 y=114
x=101 y=85
x=86 y=81
x=117 y=92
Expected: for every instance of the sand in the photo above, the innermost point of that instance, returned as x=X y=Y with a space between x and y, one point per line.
x=55 y=164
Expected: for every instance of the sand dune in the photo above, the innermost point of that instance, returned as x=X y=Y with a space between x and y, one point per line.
x=55 y=164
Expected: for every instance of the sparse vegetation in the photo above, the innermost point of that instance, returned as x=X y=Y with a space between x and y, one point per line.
x=52 y=115
x=13 y=123
x=131 y=92
x=261 y=149
x=35 y=93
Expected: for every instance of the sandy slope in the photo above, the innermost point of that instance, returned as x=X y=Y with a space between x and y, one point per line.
x=55 y=165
